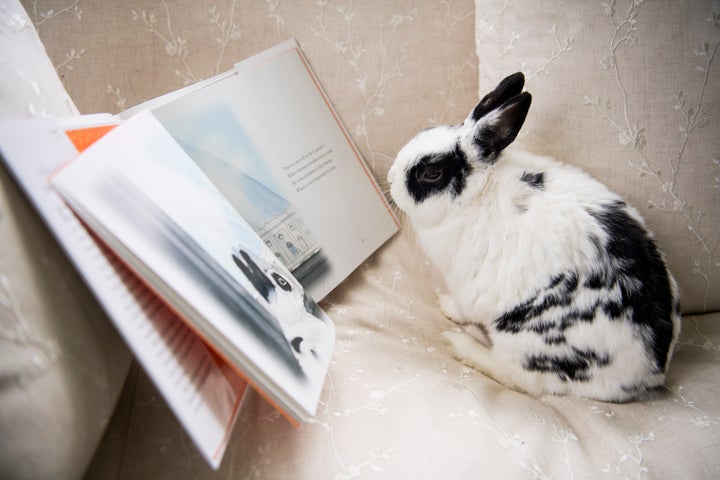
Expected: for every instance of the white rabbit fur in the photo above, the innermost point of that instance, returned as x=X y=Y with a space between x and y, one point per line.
x=526 y=246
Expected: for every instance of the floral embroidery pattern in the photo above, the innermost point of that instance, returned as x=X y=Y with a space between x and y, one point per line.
x=353 y=50
x=15 y=328
x=40 y=16
x=175 y=45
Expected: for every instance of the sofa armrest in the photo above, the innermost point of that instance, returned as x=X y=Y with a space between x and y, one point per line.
x=62 y=363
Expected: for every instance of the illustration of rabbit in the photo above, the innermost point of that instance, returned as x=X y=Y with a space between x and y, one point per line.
x=298 y=317
x=555 y=282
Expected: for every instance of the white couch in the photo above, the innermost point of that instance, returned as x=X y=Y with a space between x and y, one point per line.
x=628 y=90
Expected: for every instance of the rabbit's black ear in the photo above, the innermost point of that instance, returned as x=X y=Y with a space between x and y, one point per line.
x=253 y=273
x=498 y=129
x=509 y=87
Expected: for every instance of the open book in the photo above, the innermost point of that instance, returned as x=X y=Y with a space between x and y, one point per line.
x=235 y=203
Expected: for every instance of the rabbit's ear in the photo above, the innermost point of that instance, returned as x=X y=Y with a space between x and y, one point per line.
x=253 y=273
x=509 y=87
x=496 y=130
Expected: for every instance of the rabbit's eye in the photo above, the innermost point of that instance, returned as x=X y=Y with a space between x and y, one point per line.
x=431 y=174
x=281 y=282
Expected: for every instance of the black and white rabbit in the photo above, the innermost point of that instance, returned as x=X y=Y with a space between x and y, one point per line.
x=555 y=281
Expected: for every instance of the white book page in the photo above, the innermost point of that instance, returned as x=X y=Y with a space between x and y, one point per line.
x=163 y=99
x=202 y=393
x=270 y=140
x=144 y=196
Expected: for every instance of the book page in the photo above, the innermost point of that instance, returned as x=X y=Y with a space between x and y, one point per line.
x=140 y=192
x=198 y=389
x=270 y=141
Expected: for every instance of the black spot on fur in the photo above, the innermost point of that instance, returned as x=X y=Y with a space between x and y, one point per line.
x=454 y=168
x=553 y=330
x=642 y=278
x=555 y=281
x=570 y=284
x=630 y=283
x=598 y=244
x=595 y=281
x=643 y=390
x=572 y=367
x=535 y=180
x=558 y=293
x=613 y=309
x=514 y=320
x=554 y=339
x=586 y=315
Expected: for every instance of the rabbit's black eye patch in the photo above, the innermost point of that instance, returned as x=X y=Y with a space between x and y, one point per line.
x=435 y=174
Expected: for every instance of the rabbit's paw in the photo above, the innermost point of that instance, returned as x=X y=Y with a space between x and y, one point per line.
x=448 y=307
x=463 y=345
x=470 y=352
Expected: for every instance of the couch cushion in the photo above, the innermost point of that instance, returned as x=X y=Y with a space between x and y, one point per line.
x=629 y=91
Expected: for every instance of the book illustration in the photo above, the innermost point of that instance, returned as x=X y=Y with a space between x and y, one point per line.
x=217 y=142
x=190 y=223
x=302 y=321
